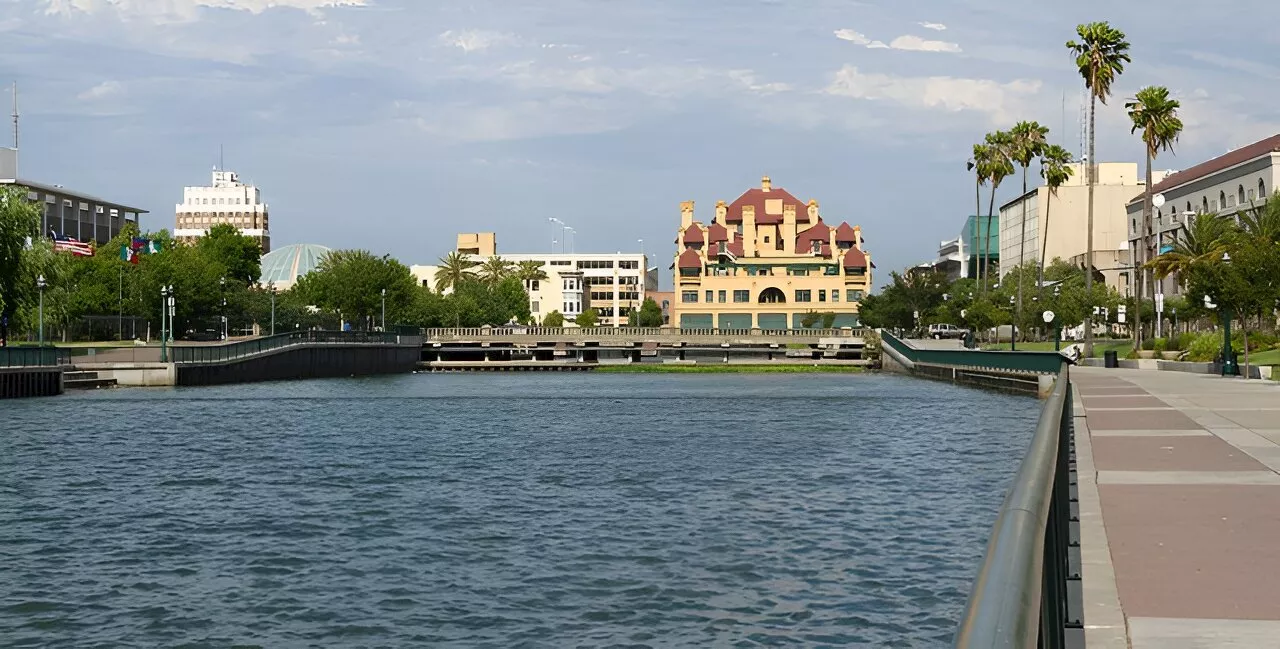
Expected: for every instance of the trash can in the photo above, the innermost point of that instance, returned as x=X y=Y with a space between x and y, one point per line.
x=1109 y=359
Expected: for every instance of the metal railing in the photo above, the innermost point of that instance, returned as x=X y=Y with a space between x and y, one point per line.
x=244 y=348
x=1037 y=362
x=1019 y=599
x=34 y=356
x=634 y=332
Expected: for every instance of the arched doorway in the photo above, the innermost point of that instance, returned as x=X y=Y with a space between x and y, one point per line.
x=772 y=295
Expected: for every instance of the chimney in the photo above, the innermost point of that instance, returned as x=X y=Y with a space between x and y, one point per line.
x=722 y=212
x=686 y=215
x=788 y=230
x=813 y=210
x=765 y=185
x=749 y=233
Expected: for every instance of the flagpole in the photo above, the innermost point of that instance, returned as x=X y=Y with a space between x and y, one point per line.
x=120 y=319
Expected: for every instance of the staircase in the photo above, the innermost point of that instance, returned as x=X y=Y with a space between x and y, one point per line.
x=80 y=380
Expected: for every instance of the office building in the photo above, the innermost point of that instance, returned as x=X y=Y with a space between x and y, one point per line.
x=225 y=200
x=767 y=261
x=611 y=283
x=67 y=212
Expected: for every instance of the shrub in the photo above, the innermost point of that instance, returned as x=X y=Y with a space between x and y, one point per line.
x=1205 y=347
x=1173 y=343
x=1148 y=345
x=1131 y=354
x=1159 y=344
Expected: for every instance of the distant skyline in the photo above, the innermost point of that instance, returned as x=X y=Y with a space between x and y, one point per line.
x=392 y=125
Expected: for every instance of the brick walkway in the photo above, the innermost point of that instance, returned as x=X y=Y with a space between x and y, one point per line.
x=1179 y=509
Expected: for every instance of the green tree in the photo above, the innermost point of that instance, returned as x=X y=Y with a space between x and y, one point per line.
x=494 y=270
x=350 y=282
x=511 y=300
x=810 y=319
x=1027 y=144
x=1100 y=56
x=239 y=254
x=530 y=271
x=1154 y=113
x=650 y=314
x=588 y=318
x=454 y=267
x=19 y=223
x=996 y=165
x=1055 y=169
x=979 y=165
x=553 y=319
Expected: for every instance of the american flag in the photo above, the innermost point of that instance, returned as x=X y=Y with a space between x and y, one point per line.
x=62 y=242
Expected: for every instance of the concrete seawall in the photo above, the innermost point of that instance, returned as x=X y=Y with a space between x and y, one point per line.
x=307 y=361
x=21 y=382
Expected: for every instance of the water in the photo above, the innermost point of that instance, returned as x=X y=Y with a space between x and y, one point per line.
x=548 y=510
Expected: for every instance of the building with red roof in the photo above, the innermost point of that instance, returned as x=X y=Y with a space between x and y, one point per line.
x=767 y=260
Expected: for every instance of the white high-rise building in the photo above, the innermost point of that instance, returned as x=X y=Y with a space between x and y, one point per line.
x=226 y=200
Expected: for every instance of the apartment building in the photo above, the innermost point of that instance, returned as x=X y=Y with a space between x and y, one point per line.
x=225 y=200
x=767 y=260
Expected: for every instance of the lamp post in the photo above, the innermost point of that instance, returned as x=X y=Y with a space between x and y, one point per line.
x=1013 y=327
x=222 y=284
x=1229 y=367
x=384 y=309
x=570 y=231
x=40 y=284
x=554 y=221
x=164 y=309
x=272 y=287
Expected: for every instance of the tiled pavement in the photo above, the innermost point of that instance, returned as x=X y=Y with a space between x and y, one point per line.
x=1179 y=509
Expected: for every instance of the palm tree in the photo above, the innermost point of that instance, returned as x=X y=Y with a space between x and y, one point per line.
x=1202 y=242
x=494 y=270
x=1027 y=144
x=1155 y=114
x=999 y=166
x=977 y=164
x=530 y=271
x=454 y=268
x=1055 y=169
x=1101 y=54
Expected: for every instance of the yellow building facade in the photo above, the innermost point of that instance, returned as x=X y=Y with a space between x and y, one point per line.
x=767 y=261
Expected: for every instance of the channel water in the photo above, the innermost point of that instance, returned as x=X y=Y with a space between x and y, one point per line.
x=508 y=510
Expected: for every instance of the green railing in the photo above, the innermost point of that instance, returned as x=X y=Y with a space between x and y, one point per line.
x=1019 y=599
x=245 y=348
x=34 y=356
x=1036 y=362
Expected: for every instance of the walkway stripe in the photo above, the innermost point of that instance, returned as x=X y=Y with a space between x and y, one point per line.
x=1181 y=633
x=1188 y=478
x=1103 y=617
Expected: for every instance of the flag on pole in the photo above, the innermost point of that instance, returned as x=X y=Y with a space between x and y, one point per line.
x=63 y=243
x=128 y=254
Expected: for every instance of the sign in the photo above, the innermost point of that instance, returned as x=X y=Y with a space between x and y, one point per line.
x=1048 y=317
x=1159 y=302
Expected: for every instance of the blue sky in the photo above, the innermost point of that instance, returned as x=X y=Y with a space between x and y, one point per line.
x=393 y=124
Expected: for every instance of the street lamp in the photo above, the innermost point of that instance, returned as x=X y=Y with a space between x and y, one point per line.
x=40 y=284
x=570 y=231
x=384 y=309
x=222 y=284
x=1229 y=367
x=1013 y=327
x=165 y=300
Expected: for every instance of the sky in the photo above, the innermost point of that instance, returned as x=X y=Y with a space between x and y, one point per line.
x=391 y=125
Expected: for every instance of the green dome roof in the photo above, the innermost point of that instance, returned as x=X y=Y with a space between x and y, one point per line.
x=283 y=266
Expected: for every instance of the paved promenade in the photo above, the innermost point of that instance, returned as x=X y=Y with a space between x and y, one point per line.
x=1179 y=488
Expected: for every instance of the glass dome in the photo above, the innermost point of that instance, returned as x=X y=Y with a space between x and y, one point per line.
x=283 y=266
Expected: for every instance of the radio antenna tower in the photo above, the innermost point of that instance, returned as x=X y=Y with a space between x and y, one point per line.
x=15 y=114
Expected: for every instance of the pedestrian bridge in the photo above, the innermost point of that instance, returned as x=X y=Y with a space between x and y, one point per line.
x=639 y=336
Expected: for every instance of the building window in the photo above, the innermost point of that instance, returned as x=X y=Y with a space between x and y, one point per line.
x=533 y=285
x=766 y=238
x=817 y=246
x=803 y=296
x=532 y=307
x=741 y=296
x=1240 y=194
x=1204 y=204
x=689 y=297
x=853 y=294
x=1262 y=190
x=797 y=272
x=722 y=297
x=1222 y=199
x=710 y=296
x=831 y=270
x=822 y=295
x=835 y=295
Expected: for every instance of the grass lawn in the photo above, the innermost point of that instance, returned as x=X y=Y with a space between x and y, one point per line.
x=1271 y=357
x=720 y=368
x=1100 y=345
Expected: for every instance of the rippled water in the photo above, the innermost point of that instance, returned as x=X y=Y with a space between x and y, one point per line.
x=562 y=510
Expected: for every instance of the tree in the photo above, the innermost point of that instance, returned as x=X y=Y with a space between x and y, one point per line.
x=553 y=319
x=978 y=165
x=588 y=318
x=241 y=255
x=1202 y=240
x=810 y=319
x=530 y=271
x=1154 y=113
x=350 y=282
x=494 y=270
x=19 y=223
x=1100 y=54
x=454 y=267
x=998 y=166
x=650 y=314
x=1054 y=161
x=1027 y=143
x=510 y=300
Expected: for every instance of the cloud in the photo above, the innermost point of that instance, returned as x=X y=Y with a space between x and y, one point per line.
x=1000 y=102
x=1254 y=68
x=937 y=27
x=748 y=79
x=907 y=42
x=858 y=39
x=104 y=90
x=184 y=10
x=475 y=40
x=917 y=44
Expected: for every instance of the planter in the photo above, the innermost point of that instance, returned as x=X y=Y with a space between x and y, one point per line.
x=1146 y=354
x=1170 y=356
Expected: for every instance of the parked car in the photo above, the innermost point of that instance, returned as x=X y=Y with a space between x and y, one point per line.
x=940 y=331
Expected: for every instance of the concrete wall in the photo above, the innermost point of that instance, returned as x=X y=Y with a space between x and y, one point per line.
x=304 y=362
x=18 y=383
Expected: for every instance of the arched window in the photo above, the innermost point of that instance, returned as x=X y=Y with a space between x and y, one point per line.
x=1222 y=200
x=1188 y=206
x=772 y=295
x=1262 y=190
x=1204 y=204
x=1240 y=194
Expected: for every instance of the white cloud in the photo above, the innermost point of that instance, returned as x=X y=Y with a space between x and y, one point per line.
x=104 y=90
x=475 y=40
x=748 y=79
x=1001 y=102
x=184 y=10
x=907 y=42
x=858 y=39
x=917 y=44
x=937 y=27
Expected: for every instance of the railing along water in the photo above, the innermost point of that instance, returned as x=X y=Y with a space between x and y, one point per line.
x=34 y=356
x=244 y=348
x=634 y=332
x=1019 y=599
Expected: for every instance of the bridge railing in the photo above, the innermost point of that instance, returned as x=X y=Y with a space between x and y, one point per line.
x=1019 y=599
x=1036 y=362
x=34 y=356
x=244 y=348
x=453 y=333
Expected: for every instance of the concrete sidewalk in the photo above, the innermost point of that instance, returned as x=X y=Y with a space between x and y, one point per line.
x=1179 y=489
